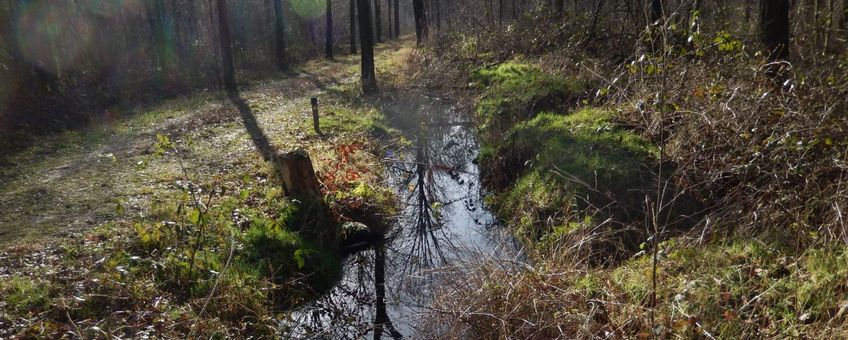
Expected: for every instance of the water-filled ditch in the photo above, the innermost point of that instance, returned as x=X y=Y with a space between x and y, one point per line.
x=442 y=230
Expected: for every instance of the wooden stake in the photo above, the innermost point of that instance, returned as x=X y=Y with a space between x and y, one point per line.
x=315 y=122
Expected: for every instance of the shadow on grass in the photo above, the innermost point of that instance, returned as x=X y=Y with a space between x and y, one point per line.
x=248 y=118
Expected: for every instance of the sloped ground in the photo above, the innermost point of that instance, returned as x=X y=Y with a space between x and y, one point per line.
x=171 y=224
x=748 y=241
x=79 y=179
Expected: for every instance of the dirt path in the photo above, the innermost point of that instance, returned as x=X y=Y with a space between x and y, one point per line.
x=76 y=180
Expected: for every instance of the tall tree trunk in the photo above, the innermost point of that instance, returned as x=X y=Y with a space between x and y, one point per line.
x=162 y=41
x=389 y=13
x=397 y=18
x=429 y=14
x=328 y=39
x=366 y=39
x=378 y=21
x=844 y=21
x=438 y=5
x=500 y=12
x=226 y=48
x=596 y=13
x=514 y=10
x=559 y=7
x=280 y=36
x=747 y=11
x=422 y=29
x=182 y=40
x=774 y=28
x=657 y=10
x=352 y=26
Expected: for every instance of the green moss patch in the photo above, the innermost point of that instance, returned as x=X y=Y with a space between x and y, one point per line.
x=515 y=91
x=578 y=164
x=740 y=288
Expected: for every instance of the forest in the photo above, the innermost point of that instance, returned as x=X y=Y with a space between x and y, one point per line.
x=424 y=169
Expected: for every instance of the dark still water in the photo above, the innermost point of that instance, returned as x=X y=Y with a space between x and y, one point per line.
x=443 y=229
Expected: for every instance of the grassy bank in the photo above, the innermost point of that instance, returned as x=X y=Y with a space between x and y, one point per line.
x=650 y=205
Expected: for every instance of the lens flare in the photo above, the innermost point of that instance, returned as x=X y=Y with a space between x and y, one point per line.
x=53 y=36
x=309 y=9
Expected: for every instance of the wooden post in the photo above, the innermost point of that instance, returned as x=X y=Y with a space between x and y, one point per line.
x=296 y=171
x=315 y=122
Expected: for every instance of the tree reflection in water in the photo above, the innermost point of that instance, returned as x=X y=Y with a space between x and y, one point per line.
x=385 y=287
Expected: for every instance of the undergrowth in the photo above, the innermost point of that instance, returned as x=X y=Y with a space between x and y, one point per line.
x=716 y=195
x=566 y=168
x=212 y=254
x=732 y=289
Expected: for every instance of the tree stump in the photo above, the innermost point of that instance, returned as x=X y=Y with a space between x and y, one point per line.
x=296 y=171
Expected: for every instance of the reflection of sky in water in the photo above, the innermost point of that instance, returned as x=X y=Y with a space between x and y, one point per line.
x=442 y=227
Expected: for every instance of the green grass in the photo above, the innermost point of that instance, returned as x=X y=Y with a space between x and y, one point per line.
x=742 y=288
x=515 y=91
x=343 y=118
x=557 y=170
x=569 y=165
x=25 y=295
x=154 y=250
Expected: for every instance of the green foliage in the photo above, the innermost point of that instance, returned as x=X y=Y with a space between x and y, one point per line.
x=25 y=295
x=723 y=285
x=272 y=248
x=570 y=161
x=554 y=237
x=364 y=193
x=163 y=144
x=824 y=282
x=346 y=119
x=727 y=43
x=278 y=240
x=282 y=254
x=515 y=91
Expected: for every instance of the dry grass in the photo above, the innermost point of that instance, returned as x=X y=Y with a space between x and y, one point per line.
x=767 y=159
x=163 y=263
